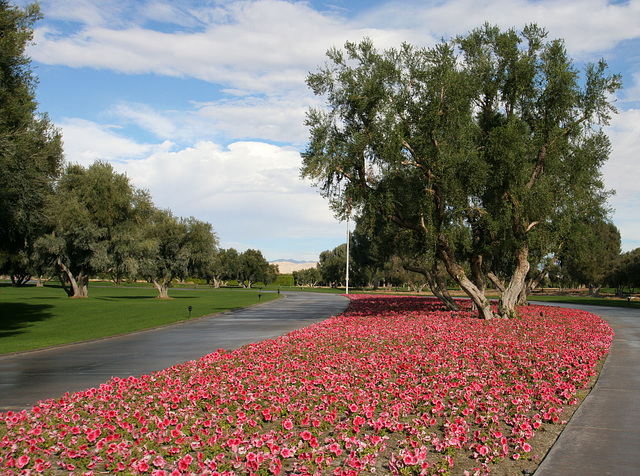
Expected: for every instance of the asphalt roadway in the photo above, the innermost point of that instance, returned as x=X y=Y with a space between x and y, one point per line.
x=602 y=437
x=29 y=377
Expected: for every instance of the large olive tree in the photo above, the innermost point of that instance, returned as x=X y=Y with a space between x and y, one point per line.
x=477 y=145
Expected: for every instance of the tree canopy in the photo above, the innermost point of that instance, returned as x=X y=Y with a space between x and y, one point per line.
x=479 y=146
x=90 y=208
x=30 y=147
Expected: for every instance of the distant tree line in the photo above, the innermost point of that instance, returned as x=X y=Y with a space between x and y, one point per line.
x=589 y=256
x=78 y=222
x=97 y=224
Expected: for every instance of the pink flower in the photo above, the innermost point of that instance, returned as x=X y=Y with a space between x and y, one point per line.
x=471 y=378
x=159 y=462
x=22 y=461
x=185 y=462
x=409 y=460
x=335 y=449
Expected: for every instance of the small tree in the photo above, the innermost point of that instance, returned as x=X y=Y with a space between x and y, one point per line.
x=127 y=242
x=333 y=266
x=174 y=248
x=307 y=277
x=272 y=274
x=590 y=253
x=626 y=272
x=255 y=268
x=167 y=252
x=203 y=244
x=226 y=265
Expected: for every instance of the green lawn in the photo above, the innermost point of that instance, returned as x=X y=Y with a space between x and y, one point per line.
x=590 y=301
x=33 y=318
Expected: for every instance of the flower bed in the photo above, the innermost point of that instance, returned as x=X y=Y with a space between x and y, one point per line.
x=395 y=385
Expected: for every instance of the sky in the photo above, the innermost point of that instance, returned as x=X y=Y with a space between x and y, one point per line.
x=203 y=102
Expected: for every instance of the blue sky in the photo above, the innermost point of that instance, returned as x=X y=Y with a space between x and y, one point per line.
x=202 y=102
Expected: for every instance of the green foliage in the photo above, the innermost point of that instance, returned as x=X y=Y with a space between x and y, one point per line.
x=333 y=266
x=30 y=147
x=284 y=280
x=625 y=274
x=254 y=268
x=480 y=147
x=226 y=265
x=308 y=277
x=89 y=220
x=590 y=252
x=203 y=244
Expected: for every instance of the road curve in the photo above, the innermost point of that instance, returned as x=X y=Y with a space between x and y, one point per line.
x=27 y=378
x=603 y=435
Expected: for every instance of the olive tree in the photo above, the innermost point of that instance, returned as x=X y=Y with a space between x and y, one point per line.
x=475 y=145
x=89 y=206
x=30 y=146
x=174 y=248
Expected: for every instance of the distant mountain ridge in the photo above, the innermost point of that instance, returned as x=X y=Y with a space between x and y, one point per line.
x=288 y=266
x=288 y=261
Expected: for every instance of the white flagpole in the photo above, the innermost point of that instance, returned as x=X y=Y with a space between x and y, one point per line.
x=348 y=233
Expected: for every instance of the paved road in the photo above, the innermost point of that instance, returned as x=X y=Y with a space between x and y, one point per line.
x=603 y=436
x=30 y=377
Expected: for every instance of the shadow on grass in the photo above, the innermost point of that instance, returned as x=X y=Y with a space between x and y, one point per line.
x=121 y=297
x=15 y=317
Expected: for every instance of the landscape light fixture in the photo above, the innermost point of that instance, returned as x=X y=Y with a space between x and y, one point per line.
x=190 y=309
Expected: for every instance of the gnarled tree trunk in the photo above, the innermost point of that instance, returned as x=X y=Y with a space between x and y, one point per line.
x=77 y=287
x=436 y=287
x=482 y=304
x=162 y=287
x=511 y=295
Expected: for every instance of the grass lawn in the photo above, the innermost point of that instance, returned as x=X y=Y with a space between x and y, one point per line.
x=33 y=318
x=586 y=300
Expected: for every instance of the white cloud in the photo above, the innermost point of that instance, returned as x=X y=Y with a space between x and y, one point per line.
x=268 y=45
x=623 y=169
x=588 y=26
x=86 y=142
x=631 y=91
x=621 y=173
x=145 y=117
x=249 y=190
x=259 y=52
x=276 y=118
x=257 y=47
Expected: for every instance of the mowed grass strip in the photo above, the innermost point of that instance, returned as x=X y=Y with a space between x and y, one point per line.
x=587 y=300
x=34 y=318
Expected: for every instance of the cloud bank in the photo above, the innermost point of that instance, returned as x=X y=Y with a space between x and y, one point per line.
x=233 y=159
